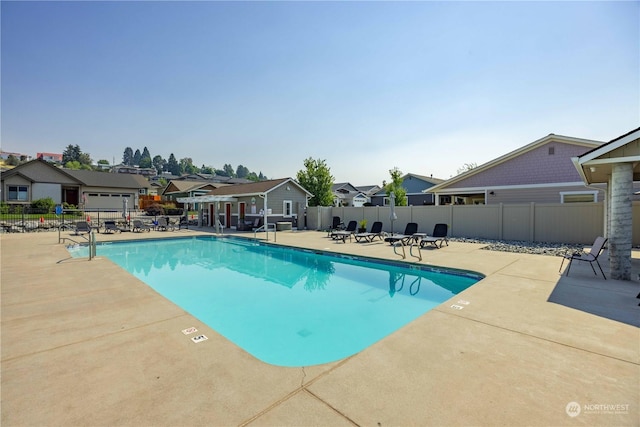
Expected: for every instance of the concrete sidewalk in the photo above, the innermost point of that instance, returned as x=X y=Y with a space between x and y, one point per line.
x=86 y=344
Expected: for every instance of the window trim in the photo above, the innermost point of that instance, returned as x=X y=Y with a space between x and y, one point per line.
x=17 y=191
x=579 y=193
x=286 y=203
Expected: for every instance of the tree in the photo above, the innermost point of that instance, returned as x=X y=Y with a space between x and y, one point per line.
x=103 y=162
x=261 y=177
x=252 y=177
x=136 y=158
x=466 y=167
x=127 y=157
x=396 y=186
x=85 y=159
x=187 y=166
x=159 y=163
x=71 y=154
x=229 y=170
x=242 y=171
x=173 y=166
x=317 y=179
x=207 y=169
x=74 y=164
x=12 y=160
x=145 y=162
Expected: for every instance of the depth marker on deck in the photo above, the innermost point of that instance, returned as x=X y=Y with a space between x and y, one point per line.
x=199 y=339
x=190 y=330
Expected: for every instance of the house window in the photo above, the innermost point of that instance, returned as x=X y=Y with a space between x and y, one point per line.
x=18 y=193
x=287 y=208
x=578 y=196
x=552 y=150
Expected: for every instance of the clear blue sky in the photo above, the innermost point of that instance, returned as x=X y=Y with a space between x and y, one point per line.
x=366 y=86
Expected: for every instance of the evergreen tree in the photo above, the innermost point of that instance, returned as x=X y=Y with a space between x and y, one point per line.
x=242 y=171
x=316 y=178
x=136 y=157
x=71 y=154
x=127 y=157
x=173 y=166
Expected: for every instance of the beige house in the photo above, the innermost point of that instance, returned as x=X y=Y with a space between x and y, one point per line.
x=85 y=189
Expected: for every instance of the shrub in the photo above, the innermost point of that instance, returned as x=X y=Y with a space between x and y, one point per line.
x=155 y=209
x=46 y=204
x=4 y=208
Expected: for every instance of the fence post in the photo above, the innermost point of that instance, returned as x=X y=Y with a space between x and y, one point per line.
x=532 y=221
x=501 y=221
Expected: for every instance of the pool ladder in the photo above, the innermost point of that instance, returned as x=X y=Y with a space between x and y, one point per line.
x=263 y=228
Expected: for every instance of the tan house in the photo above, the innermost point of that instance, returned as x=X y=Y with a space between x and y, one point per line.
x=85 y=189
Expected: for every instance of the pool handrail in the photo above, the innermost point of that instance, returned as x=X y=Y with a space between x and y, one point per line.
x=265 y=227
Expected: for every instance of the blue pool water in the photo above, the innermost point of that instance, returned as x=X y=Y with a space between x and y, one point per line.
x=287 y=307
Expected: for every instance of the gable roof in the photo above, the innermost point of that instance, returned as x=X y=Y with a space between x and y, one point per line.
x=595 y=165
x=107 y=179
x=254 y=188
x=183 y=186
x=588 y=143
x=84 y=177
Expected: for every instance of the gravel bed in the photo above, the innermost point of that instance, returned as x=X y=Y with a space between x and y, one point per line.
x=536 y=248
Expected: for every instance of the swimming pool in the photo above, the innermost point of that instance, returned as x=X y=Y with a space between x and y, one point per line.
x=285 y=306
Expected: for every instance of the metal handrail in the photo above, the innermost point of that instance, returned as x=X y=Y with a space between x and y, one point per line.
x=262 y=228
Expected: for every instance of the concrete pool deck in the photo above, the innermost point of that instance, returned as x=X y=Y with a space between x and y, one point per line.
x=84 y=343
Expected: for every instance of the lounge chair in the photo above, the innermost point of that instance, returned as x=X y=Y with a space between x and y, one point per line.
x=83 y=227
x=591 y=257
x=112 y=227
x=376 y=231
x=440 y=232
x=139 y=226
x=164 y=224
x=336 y=225
x=347 y=232
x=405 y=239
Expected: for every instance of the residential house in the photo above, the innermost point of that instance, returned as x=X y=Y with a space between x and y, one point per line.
x=135 y=170
x=39 y=179
x=4 y=155
x=345 y=194
x=271 y=201
x=416 y=187
x=541 y=171
x=213 y=178
x=369 y=190
x=49 y=157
